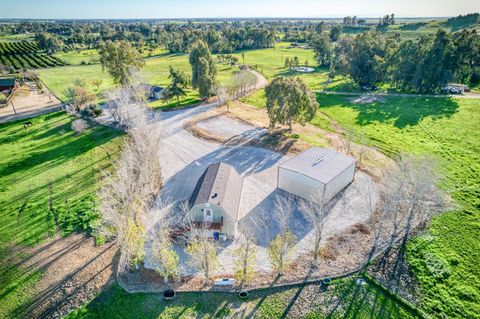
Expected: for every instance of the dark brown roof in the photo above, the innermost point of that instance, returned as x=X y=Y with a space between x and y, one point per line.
x=219 y=185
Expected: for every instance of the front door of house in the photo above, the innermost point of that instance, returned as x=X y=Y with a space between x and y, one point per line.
x=208 y=215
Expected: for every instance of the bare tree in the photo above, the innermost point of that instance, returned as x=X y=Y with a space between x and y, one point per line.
x=129 y=191
x=242 y=83
x=224 y=97
x=202 y=251
x=315 y=213
x=280 y=248
x=245 y=255
x=127 y=105
x=410 y=195
x=79 y=126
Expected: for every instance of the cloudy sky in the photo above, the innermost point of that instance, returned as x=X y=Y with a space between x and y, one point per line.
x=72 y=9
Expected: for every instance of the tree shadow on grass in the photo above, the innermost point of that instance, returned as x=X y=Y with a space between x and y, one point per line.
x=48 y=152
x=401 y=111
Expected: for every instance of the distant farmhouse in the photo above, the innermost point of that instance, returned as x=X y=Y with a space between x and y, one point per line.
x=152 y=92
x=156 y=92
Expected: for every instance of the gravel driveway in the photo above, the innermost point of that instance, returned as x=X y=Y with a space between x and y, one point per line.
x=184 y=157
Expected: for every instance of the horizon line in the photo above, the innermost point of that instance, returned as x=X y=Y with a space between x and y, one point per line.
x=242 y=17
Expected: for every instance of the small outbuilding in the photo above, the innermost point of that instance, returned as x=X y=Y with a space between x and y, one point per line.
x=8 y=84
x=317 y=174
x=156 y=92
x=216 y=198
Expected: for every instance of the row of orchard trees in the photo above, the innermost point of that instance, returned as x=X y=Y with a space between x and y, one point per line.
x=424 y=65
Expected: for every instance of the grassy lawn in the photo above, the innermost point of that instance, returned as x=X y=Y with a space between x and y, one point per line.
x=271 y=62
x=79 y=57
x=446 y=129
x=155 y=72
x=91 y=56
x=191 y=98
x=17 y=37
x=446 y=259
x=344 y=299
x=46 y=162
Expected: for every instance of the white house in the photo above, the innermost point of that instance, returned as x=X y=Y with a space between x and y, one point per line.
x=215 y=199
x=317 y=174
x=156 y=92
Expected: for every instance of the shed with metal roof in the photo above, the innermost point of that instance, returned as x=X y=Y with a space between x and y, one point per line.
x=317 y=174
x=216 y=198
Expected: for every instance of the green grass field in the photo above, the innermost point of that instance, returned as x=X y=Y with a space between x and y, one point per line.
x=91 y=56
x=155 y=72
x=47 y=161
x=17 y=37
x=344 y=299
x=447 y=130
x=77 y=57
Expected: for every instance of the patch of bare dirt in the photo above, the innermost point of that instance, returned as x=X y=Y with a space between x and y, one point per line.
x=74 y=272
x=28 y=98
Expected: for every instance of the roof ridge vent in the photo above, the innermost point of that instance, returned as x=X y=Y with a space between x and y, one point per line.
x=319 y=160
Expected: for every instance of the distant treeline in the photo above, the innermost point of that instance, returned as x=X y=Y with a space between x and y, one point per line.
x=426 y=64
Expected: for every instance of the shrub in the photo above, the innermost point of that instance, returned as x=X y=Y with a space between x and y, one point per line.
x=92 y=110
x=78 y=126
x=3 y=98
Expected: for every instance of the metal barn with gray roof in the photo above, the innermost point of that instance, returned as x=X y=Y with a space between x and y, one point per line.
x=216 y=198
x=317 y=174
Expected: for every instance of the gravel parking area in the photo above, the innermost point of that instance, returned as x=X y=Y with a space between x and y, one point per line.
x=225 y=126
x=184 y=157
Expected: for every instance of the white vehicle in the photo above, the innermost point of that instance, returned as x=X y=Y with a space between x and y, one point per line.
x=225 y=282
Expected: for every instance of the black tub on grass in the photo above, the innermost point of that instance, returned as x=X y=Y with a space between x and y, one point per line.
x=169 y=294
x=243 y=294
x=326 y=281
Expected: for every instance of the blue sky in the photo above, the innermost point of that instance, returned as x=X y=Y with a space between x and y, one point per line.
x=71 y=9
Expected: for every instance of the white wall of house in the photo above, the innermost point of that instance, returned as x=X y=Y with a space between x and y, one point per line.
x=197 y=214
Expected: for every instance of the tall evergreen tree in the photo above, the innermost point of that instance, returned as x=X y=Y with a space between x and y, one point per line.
x=322 y=47
x=435 y=70
x=177 y=85
x=367 y=50
x=118 y=58
x=204 y=71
